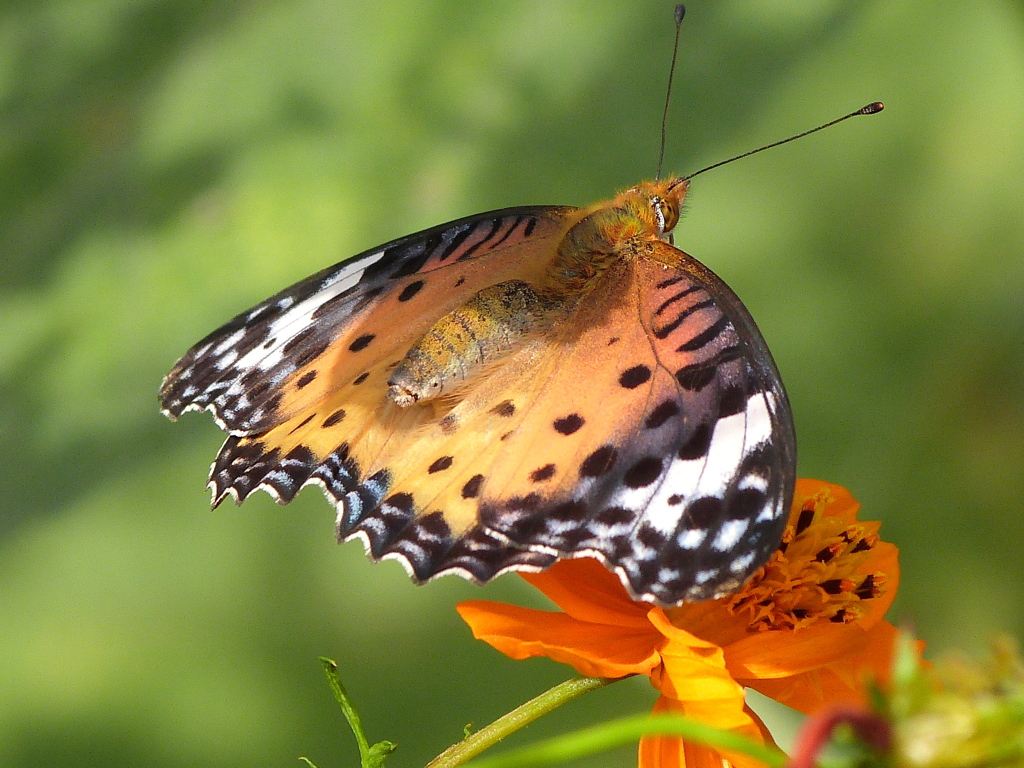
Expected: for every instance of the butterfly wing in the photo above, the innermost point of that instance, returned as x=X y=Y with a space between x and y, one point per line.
x=651 y=431
x=287 y=353
x=662 y=441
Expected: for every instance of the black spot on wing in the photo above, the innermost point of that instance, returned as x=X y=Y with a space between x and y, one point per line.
x=662 y=413
x=615 y=516
x=472 y=487
x=633 y=377
x=505 y=409
x=361 y=342
x=334 y=418
x=541 y=474
x=696 y=447
x=598 y=462
x=669 y=282
x=567 y=425
x=527 y=503
x=411 y=290
x=703 y=513
x=747 y=503
x=440 y=464
x=697 y=376
x=644 y=472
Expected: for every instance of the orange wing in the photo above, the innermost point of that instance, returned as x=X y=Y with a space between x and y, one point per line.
x=650 y=430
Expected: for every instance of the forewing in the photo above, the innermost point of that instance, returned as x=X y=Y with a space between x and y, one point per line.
x=285 y=354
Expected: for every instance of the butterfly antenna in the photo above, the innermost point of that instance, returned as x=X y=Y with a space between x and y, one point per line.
x=870 y=109
x=680 y=13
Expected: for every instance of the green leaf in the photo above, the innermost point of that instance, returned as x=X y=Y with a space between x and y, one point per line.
x=369 y=756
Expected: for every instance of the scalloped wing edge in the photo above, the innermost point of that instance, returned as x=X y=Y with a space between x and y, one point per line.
x=454 y=570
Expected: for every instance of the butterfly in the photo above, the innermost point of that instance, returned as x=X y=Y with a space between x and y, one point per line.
x=512 y=388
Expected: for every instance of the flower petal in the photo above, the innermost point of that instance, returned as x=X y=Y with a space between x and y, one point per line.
x=588 y=591
x=693 y=671
x=768 y=655
x=674 y=752
x=839 y=501
x=840 y=682
x=596 y=650
x=666 y=751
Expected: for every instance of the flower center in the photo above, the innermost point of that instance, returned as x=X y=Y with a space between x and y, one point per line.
x=820 y=572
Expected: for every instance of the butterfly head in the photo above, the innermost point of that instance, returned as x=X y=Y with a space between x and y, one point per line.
x=657 y=203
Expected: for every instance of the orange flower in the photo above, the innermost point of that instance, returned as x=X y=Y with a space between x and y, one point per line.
x=806 y=630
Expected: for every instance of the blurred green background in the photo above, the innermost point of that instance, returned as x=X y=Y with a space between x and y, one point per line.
x=164 y=165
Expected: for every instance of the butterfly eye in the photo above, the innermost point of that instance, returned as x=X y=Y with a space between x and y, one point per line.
x=665 y=215
x=658 y=206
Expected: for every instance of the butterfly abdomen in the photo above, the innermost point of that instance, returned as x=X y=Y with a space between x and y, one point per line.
x=458 y=345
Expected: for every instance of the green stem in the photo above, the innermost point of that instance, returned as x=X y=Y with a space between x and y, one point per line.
x=523 y=715
x=617 y=733
x=341 y=696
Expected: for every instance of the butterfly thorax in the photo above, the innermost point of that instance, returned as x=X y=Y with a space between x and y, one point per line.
x=611 y=231
x=501 y=317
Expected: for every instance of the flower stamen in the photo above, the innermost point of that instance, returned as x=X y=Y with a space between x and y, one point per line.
x=816 y=574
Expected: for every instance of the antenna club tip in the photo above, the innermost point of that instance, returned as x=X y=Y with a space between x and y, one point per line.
x=680 y=13
x=872 y=108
